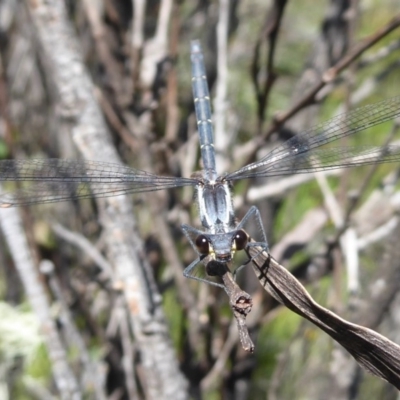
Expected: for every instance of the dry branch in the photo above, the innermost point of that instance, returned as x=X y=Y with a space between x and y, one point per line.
x=75 y=91
x=372 y=351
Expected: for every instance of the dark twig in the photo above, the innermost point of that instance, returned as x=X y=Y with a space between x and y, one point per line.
x=372 y=351
x=269 y=32
x=110 y=64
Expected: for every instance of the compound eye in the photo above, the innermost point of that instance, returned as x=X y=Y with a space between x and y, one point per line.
x=240 y=239
x=202 y=244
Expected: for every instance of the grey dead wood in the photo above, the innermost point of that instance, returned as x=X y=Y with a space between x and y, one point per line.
x=14 y=233
x=73 y=86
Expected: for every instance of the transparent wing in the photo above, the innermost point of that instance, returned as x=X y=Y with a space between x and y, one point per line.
x=333 y=158
x=302 y=154
x=53 y=180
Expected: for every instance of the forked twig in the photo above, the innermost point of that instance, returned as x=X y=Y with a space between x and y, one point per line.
x=240 y=302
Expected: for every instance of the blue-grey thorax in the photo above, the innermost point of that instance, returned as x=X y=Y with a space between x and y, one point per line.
x=216 y=207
